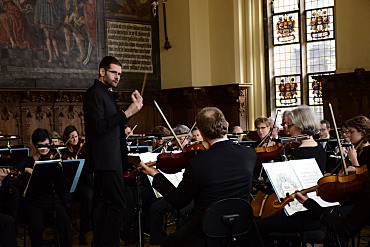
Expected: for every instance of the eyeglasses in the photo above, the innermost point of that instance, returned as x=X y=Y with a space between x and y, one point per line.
x=114 y=72
x=283 y=124
x=289 y=125
x=261 y=128
x=323 y=130
x=345 y=132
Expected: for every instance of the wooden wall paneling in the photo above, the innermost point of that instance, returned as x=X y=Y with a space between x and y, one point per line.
x=349 y=94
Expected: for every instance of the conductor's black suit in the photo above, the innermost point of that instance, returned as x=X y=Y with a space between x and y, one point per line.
x=103 y=124
x=223 y=171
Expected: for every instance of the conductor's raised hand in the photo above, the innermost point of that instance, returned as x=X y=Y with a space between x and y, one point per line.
x=136 y=105
x=149 y=170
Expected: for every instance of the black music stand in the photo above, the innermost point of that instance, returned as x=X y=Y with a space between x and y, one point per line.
x=49 y=178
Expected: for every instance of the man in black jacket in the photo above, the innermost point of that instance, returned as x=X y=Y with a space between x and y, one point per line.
x=223 y=171
x=104 y=125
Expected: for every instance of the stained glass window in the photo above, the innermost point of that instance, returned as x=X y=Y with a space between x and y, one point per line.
x=320 y=24
x=286 y=28
x=288 y=90
x=302 y=45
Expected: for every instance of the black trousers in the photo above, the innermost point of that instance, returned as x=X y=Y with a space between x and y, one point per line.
x=38 y=212
x=85 y=193
x=110 y=207
x=7 y=231
x=157 y=210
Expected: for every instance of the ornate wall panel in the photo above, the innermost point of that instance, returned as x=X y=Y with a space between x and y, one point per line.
x=21 y=112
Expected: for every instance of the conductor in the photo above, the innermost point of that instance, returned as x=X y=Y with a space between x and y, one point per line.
x=106 y=151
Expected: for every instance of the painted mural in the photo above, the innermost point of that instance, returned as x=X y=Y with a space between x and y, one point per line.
x=55 y=43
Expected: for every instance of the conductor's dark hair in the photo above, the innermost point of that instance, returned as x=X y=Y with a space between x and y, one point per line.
x=40 y=135
x=68 y=130
x=212 y=123
x=107 y=61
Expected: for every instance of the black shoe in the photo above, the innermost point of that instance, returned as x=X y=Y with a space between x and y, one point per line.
x=82 y=240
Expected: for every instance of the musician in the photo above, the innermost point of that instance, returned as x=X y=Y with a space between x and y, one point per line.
x=85 y=189
x=324 y=135
x=38 y=209
x=184 y=140
x=358 y=134
x=158 y=142
x=56 y=138
x=223 y=171
x=238 y=130
x=263 y=130
x=106 y=151
x=128 y=131
x=347 y=225
x=275 y=129
x=283 y=123
x=301 y=120
x=74 y=144
x=9 y=202
x=197 y=137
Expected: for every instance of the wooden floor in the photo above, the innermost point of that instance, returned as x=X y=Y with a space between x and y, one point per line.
x=365 y=233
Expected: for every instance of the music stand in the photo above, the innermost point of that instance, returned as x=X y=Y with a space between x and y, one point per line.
x=48 y=178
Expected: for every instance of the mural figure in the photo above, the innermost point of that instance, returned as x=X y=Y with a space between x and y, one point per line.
x=80 y=21
x=14 y=29
x=49 y=16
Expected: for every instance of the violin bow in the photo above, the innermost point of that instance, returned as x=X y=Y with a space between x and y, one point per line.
x=129 y=133
x=189 y=132
x=270 y=132
x=338 y=140
x=168 y=124
x=144 y=82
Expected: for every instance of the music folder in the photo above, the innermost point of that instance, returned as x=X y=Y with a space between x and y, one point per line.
x=53 y=176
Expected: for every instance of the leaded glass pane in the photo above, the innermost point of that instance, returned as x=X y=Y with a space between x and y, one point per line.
x=314 y=4
x=320 y=24
x=287 y=59
x=280 y=6
x=286 y=28
x=321 y=56
x=288 y=90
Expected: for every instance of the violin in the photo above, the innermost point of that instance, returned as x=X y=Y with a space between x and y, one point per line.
x=265 y=154
x=170 y=162
x=76 y=150
x=332 y=188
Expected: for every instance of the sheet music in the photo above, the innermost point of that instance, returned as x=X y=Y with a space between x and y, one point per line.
x=289 y=176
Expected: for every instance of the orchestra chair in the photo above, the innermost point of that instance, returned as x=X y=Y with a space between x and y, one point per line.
x=228 y=222
x=299 y=238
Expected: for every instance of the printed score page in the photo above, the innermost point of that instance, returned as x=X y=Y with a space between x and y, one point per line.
x=287 y=177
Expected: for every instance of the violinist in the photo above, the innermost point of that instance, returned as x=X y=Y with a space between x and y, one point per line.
x=197 y=137
x=347 y=225
x=358 y=134
x=223 y=171
x=56 y=138
x=263 y=131
x=301 y=120
x=38 y=209
x=158 y=142
x=75 y=146
x=85 y=189
x=184 y=140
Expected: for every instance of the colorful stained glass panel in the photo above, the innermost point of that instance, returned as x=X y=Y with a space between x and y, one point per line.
x=320 y=24
x=288 y=90
x=286 y=28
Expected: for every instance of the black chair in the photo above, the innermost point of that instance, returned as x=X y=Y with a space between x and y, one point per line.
x=230 y=219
